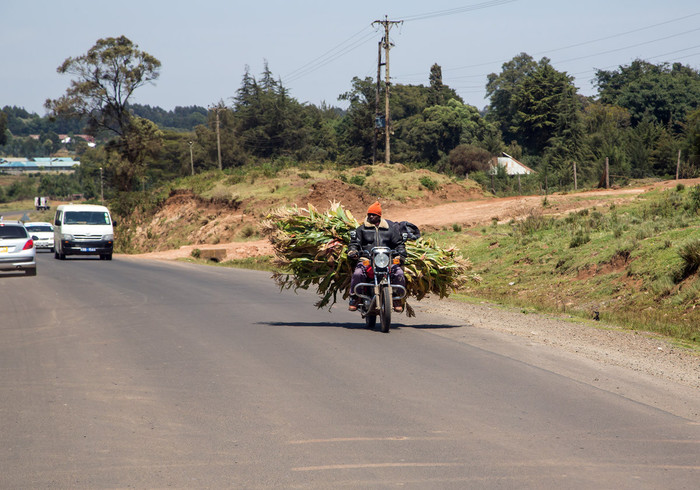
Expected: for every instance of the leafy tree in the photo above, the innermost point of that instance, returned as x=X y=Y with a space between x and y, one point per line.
x=464 y=159
x=666 y=93
x=105 y=79
x=502 y=90
x=691 y=143
x=606 y=129
x=356 y=131
x=543 y=101
x=432 y=135
x=132 y=153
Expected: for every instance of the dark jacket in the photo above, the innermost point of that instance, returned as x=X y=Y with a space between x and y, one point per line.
x=364 y=237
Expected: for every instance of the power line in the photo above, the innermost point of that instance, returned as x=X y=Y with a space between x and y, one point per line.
x=327 y=53
x=340 y=50
x=639 y=29
x=327 y=58
x=457 y=10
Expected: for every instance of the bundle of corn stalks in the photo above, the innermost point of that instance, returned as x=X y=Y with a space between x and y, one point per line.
x=311 y=250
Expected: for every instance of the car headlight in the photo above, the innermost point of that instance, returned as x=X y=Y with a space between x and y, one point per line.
x=66 y=236
x=108 y=238
x=381 y=261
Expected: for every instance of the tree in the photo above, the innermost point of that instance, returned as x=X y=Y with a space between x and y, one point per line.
x=464 y=159
x=692 y=141
x=666 y=93
x=268 y=120
x=356 y=131
x=502 y=89
x=540 y=101
x=105 y=79
x=3 y=128
x=439 y=93
x=606 y=129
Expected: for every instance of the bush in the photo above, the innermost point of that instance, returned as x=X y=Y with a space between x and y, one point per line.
x=429 y=183
x=580 y=238
x=456 y=227
x=358 y=180
x=690 y=255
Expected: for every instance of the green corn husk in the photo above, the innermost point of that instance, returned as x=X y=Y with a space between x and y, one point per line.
x=311 y=250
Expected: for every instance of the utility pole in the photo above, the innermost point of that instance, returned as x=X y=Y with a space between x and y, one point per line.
x=376 y=103
x=678 y=164
x=191 y=157
x=607 y=173
x=218 y=138
x=102 y=188
x=387 y=82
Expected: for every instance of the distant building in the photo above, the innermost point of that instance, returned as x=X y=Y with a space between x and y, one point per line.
x=511 y=165
x=47 y=164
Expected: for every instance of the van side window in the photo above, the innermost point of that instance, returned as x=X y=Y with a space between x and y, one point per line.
x=57 y=218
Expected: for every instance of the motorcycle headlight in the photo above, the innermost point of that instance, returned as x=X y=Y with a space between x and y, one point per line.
x=381 y=261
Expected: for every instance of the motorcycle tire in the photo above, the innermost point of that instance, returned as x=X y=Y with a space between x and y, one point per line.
x=385 y=307
x=371 y=320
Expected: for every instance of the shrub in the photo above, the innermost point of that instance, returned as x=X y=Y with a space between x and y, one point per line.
x=247 y=231
x=694 y=199
x=196 y=253
x=358 y=180
x=456 y=227
x=580 y=238
x=429 y=183
x=690 y=255
x=305 y=175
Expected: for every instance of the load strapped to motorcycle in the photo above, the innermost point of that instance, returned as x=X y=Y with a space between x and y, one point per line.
x=311 y=250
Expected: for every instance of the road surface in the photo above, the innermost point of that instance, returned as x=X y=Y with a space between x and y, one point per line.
x=151 y=374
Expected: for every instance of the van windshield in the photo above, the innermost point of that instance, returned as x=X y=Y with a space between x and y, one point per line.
x=86 y=218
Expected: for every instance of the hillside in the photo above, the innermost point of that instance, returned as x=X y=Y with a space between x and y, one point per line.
x=611 y=254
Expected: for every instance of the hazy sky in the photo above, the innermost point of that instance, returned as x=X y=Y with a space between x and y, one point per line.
x=316 y=47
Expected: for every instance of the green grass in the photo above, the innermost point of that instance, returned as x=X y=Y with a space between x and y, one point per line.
x=635 y=264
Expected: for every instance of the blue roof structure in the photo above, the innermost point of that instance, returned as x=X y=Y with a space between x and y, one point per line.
x=38 y=164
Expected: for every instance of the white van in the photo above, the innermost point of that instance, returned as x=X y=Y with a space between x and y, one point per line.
x=83 y=229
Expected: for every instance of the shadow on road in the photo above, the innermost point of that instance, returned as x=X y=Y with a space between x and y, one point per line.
x=355 y=326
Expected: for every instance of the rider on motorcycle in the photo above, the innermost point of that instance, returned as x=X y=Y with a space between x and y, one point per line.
x=376 y=231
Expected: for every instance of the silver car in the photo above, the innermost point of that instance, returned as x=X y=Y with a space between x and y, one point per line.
x=41 y=233
x=17 y=250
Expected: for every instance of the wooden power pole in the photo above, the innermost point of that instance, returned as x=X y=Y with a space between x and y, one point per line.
x=376 y=103
x=218 y=139
x=387 y=83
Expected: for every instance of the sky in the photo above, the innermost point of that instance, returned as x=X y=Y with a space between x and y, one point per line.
x=317 y=47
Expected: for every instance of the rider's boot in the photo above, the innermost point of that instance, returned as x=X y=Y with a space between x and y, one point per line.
x=398 y=305
x=353 y=303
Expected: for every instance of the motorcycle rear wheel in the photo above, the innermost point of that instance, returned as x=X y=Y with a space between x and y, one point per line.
x=385 y=309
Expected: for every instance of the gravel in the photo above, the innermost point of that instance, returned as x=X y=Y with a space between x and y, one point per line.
x=643 y=352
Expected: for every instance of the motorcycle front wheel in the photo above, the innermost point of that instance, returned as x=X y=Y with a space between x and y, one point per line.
x=385 y=306
x=371 y=320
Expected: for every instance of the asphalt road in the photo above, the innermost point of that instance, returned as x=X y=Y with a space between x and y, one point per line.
x=146 y=374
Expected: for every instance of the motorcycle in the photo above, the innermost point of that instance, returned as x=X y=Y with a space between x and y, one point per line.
x=381 y=292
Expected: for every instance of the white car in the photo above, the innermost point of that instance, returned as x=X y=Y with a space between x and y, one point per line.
x=42 y=233
x=17 y=251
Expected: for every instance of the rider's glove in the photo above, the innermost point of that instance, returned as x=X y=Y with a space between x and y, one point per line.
x=353 y=255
